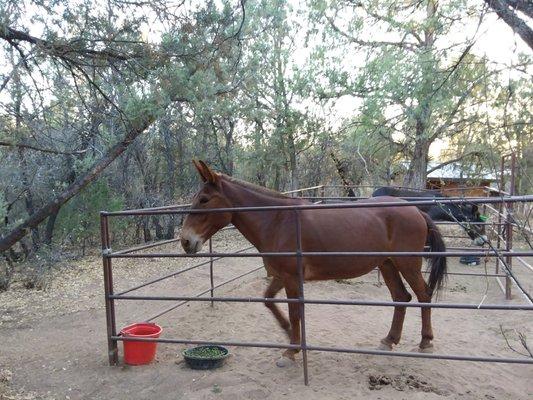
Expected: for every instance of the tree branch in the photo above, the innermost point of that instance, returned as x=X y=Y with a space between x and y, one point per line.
x=524 y=6
x=472 y=153
x=511 y=19
x=29 y=146
x=61 y=50
x=402 y=44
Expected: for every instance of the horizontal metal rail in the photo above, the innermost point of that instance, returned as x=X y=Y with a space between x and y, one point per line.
x=303 y=189
x=147 y=246
x=469 y=223
x=207 y=342
x=455 y=237
x=463 y=306
x=162 y=208
x=464 y=200
x=470 y=274
x=442 y=189
x=482 y=200
x=487 y=253
x=504 y=360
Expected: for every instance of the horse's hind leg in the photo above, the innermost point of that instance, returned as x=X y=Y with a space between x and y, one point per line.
x=399 y=293
x=411 y=270
x=291 y=288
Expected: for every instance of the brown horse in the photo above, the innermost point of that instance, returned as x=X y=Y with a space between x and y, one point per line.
x=348 y=229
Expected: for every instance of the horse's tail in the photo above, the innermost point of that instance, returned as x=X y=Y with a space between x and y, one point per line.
x=438 y=263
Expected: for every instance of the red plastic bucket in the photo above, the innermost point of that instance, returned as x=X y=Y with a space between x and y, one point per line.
x=139 y=353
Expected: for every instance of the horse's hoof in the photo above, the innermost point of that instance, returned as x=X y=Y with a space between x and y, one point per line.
x=425 y=349
x=285 y=362
x=385 y=346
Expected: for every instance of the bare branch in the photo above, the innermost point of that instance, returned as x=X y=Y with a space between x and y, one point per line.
x=31 y=147
x=402 y=44
x=454 y=160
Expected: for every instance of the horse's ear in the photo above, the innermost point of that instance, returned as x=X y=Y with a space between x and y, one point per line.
x=200 y=169
x=207 y=173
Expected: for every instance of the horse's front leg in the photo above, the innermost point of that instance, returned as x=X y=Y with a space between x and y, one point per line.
x=291 y=289
x=273 y=288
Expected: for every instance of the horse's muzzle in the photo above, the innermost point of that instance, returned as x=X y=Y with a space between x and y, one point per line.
x=480 y=240
x=191 y=245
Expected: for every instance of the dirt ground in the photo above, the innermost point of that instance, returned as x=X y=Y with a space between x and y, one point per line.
x=53 y=344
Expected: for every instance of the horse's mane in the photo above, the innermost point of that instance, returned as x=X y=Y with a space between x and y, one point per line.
x=256 y=188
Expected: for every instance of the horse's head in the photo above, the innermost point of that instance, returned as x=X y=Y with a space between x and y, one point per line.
x=476 y=232
x=197 y=228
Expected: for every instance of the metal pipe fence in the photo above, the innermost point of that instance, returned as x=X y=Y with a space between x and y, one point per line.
x=501 y=254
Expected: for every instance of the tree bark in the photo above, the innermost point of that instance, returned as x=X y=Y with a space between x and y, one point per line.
x=28 y=194
x=417 y=173
x=50 y=225
x=510 y=18
x=526 y=6
x=341 y=170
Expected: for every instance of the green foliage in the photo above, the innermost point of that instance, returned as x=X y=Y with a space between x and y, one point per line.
x=79 y=222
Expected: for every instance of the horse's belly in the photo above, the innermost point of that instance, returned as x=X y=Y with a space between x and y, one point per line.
x=340 y=267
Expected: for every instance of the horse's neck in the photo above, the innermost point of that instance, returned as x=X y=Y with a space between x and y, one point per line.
x=254 y=225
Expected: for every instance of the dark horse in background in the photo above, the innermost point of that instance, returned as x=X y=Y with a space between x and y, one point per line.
x=463 y=213
x=374 y=229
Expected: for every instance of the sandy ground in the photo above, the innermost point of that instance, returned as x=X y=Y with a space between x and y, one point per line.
x=53 y=344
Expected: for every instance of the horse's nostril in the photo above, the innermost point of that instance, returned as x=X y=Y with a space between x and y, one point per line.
x=185 y=242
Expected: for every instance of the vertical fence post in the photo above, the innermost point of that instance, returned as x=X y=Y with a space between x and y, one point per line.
x=500 y=211
x=301 y=298
x=211 y=268
x=112 y=345
x=509 y=228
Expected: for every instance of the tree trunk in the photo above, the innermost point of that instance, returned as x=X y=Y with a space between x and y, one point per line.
x=295 y=183
x=417 y=172
x=21 y=152
x=416 y=175
x=50 y=225
x=341 y=170
x=159 y=235
x=146 y=230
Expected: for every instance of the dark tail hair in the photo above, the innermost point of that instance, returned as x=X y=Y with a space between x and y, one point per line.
x=438 y=263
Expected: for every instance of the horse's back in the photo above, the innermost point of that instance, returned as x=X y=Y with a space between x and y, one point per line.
x=365 y=229
x=402 y=192
x=378 y=223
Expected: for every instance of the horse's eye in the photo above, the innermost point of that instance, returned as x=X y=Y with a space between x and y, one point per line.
x=203 y=200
